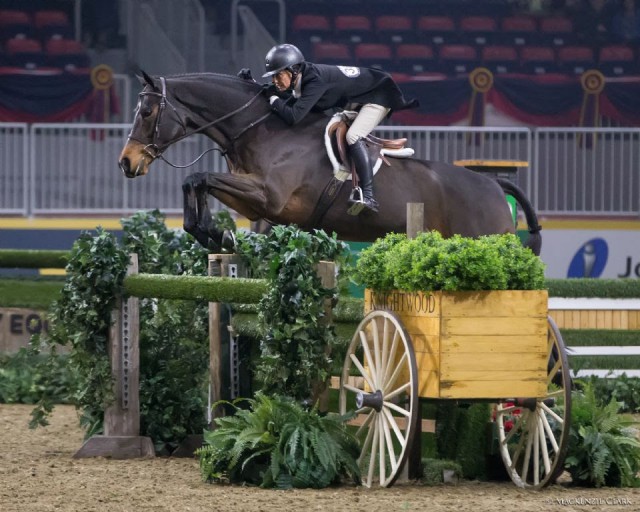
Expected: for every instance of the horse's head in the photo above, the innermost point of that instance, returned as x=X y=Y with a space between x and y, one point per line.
x=156 y=125
x=220 y=106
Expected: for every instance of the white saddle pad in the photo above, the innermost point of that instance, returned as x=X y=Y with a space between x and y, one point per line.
x=339 y=171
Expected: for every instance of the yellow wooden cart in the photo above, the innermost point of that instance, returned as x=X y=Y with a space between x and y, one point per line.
x=497 y=346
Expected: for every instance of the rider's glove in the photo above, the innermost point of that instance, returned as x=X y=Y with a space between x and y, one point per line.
x=269 y=90
x=272 y=99
x=245 y=74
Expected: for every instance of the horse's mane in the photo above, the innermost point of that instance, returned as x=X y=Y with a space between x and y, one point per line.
x=210 y=77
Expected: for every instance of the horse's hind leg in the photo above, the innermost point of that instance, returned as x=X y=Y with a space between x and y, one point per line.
x=197 y=216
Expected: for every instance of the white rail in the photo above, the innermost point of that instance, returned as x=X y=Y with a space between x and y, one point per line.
x=71 y=155
x=605 y=351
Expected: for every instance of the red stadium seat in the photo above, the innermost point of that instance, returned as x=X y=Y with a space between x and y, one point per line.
x=395 y=29
x=437 y=29
x=457 y=58
x=373 y=55
x=415 y=58
x=479 y=30
x=15 y=24
x=575 y=59
x=617 y=60
x=67 y=54
x=332 y=53
x=53 y=24
x=538 y=60
x=21 y=45
x=25 y=53
x=518 y=30
x=556 y=31
x=353 y=29
x=501 y=59
x=308 y=29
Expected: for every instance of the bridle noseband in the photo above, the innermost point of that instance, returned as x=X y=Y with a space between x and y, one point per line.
x=156 y=152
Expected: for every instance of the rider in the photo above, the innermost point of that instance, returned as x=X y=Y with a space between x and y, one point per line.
x=320 y=87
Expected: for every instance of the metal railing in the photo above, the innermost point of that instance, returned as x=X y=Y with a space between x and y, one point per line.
x=587 y=171
x=166 y=37
x=72 y=167
x=14 y=176
x=256 y=40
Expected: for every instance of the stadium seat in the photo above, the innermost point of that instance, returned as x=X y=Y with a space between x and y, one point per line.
x=501 y=59
x=15 y=24
x=538 y=60
x=332 y=53
x=415 y=58
x=309 y=29
x=478 y=30
x=518 y=30
x=52 y=24
x=556 y=31
x=437 y=30
x=25 y=53
x=617 y=60
x=353 y=29
x=373 y=55
x=395 y=29
x=67 y=54
x=457 y=58
x=575 y=59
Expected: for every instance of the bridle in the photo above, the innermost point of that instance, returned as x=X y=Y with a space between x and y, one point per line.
x=156 y=152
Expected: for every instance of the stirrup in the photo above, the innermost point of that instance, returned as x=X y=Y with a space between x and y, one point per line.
x=356 y=200
x=359 y=203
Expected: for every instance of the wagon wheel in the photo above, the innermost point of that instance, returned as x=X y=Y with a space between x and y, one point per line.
x=534 y=432
x=379 y=381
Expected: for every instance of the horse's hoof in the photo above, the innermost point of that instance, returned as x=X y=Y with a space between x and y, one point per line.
x=228 y=242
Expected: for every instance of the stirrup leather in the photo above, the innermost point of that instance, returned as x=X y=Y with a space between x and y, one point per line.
x=356 y=200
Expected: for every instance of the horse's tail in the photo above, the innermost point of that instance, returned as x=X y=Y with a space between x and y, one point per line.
x=534 y=241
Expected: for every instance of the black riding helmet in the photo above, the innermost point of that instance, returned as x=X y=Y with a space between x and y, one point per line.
x=283 y=56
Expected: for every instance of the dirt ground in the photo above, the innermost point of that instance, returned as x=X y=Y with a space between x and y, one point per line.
x=38 y=473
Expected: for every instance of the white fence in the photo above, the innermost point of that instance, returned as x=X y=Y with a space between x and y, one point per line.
x=605 y=351
x=72 y=168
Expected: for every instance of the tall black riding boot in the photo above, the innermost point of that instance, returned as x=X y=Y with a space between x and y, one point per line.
x=360 y=157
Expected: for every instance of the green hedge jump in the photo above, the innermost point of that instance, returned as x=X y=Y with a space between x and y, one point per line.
x=211 y=289
x=25 y=258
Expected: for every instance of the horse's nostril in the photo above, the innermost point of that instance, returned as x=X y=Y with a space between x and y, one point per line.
x=125 y=165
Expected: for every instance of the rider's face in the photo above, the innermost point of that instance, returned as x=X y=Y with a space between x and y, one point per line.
x=282 y=80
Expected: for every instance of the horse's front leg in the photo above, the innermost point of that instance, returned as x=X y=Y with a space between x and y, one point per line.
x=197 y=218
x=243 y=194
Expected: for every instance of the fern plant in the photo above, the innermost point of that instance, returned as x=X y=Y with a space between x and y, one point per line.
x=603 y=450
x=277 y=443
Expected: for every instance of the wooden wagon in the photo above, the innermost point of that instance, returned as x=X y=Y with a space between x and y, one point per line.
x=496 y=346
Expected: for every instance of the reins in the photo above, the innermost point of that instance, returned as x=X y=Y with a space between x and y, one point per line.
x=158 y=151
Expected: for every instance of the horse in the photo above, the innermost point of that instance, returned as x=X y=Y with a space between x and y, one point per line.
x=282 y=174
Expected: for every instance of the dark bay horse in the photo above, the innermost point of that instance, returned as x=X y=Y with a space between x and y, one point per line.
x=279 y=173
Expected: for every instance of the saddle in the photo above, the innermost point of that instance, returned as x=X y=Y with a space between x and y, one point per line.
x=379 y=149
x=336 y=146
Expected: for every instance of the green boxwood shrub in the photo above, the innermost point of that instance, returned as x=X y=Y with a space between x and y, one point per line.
x=431 y=262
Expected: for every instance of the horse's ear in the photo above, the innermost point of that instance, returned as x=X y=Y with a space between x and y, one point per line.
x=146 y=79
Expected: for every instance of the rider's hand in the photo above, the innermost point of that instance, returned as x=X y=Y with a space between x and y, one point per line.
x=269 y=90
x=245 y=74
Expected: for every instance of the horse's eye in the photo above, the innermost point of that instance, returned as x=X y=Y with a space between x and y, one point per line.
x=145 y=111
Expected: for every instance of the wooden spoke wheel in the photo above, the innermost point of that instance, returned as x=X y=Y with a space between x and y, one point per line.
x=534 y=432
x=379 y=381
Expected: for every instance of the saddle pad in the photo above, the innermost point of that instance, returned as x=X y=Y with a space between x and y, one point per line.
x=340 y=172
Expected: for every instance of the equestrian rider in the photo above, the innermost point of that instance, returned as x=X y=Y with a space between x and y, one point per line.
x=320 y=87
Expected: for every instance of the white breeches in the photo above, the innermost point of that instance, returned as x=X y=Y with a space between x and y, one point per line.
x=368 y=118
